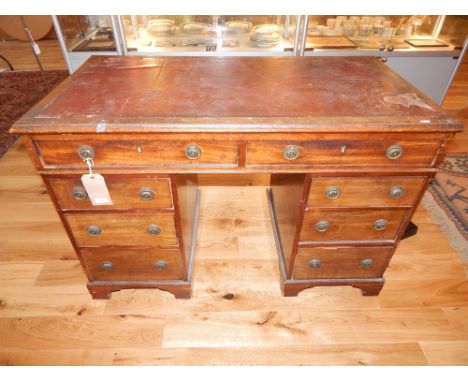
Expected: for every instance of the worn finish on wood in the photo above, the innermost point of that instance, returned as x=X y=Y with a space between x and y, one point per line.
x=203 y=93
x=346 y=142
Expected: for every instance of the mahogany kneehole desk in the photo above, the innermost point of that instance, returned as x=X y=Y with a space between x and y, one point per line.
x=350 y=147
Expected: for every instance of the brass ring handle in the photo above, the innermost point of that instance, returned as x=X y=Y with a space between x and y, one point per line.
x=146 y=194
x=394 y=152
x=396 y=192
x=322 y=226
x=79 y=193
x=153 y=229
x=366 y=263
x=107 y=265
x=192 y=152
x=380 y=224
x=161 y=264
x=86 y=152
x=93 y=230
x=314 y=263
x=333 y=192
x=291 y=152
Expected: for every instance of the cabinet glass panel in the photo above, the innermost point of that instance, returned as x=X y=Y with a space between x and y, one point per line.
x=87 y=33
x=454 y=30
x=210 y=35
x=371 y=32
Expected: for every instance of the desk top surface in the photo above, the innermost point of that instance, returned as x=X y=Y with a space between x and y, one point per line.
x=146 y=94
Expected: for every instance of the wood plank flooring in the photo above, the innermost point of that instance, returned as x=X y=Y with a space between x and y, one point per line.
x=237 y=315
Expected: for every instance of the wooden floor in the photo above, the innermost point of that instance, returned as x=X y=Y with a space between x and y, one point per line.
x=237 y=314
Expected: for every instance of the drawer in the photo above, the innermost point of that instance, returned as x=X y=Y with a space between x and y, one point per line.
x=99 y=229
x=341 y=262
x=133 y=264
x=344 y=152
x=338 y=225
x=126 y=192
x=365 y=192
x=151 y=153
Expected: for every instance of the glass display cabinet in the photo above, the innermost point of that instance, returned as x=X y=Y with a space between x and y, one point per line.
x=83 y=36
x=209 y=35
x=368 y=35
x=425 y=50
x=422 y=49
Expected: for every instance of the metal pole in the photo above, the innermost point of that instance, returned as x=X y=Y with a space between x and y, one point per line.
x=296 y=37
x=35 y=50
x=305 y=22
x=61 y=40
x=123 y=40
x=116 y=33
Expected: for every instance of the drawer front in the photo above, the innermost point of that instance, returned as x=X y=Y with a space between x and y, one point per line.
x=341 y=262
x=125 y=192
x=343 y=152
x=136 y=152
x=365 y=192
x=332 y=225
x=142 y=264
x=99 y=229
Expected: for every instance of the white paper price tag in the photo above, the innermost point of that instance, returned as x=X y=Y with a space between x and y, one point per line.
x=97 y=190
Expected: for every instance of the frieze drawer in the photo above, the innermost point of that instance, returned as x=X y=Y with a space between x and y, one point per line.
x=152 y=153
x=323 y=151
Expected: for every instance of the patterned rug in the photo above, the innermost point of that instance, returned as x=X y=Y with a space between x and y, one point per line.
x=19 y=91
x=447 y=201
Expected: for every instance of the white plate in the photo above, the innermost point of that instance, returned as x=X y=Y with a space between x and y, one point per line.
x=195 y=28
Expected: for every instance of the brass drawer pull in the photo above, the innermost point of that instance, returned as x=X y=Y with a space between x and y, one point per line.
x=394 y=152
x=192 y=152
x=160 y=264
x=79 y=193
x=333 y=192
x=314 y=263
x=366 y=263
x=153 y=229
x=107 y=265
x=380 y=225
x=291 y=152
x=396 y=192
x=94 y=230
x=86 y=152
x=146 y=194
x=322 y=226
